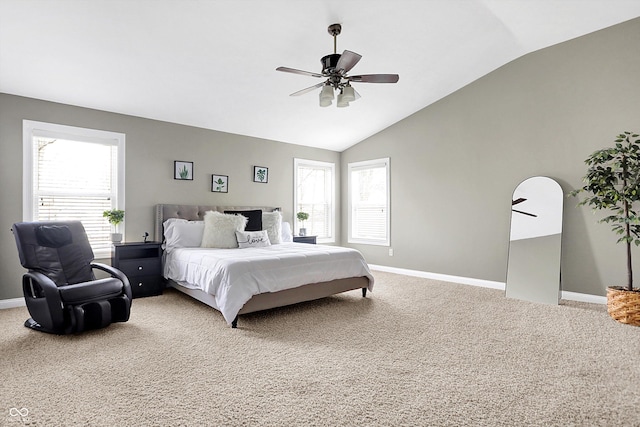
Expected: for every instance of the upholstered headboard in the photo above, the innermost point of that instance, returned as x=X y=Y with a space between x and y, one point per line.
x=194 y=213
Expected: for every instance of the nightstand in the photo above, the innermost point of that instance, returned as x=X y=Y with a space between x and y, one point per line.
x=142 y=264
x=305 y=239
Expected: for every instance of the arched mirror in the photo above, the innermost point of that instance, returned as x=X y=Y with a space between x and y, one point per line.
x=533 y=270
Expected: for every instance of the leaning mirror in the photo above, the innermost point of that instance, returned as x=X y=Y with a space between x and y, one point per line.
x=533 y=268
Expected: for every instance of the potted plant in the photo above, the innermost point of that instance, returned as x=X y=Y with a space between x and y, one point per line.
x=302 y=217
x=612 y=182
x=115 y=217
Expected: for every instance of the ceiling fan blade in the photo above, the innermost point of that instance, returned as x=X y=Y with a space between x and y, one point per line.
x=309 y=89
x=347 y=61
x=518 y=200
x=375 y=78
x=524 y=213
x=294 y=71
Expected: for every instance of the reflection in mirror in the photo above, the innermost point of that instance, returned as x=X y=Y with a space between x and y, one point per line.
x=533 y=270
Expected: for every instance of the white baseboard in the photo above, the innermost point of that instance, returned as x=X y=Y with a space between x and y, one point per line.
x=572 y=296
x=12 y=303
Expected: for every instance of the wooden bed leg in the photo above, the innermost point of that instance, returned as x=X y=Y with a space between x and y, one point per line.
x=364 y=292
x=234 y=323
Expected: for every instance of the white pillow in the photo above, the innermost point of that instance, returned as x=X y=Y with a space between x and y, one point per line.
x=287 y=236
x=180 y=233
x=272 y=223
x=220 y=230
x=252 y=239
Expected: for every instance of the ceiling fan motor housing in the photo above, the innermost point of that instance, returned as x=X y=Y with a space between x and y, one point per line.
x=329 y=63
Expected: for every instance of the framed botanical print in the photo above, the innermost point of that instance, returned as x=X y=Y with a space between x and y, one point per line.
x=219 y=183
x=183 y=170
x=260 y=174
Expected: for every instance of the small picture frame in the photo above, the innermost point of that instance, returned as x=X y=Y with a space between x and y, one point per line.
x=183 y=170
x=260 y=174
x=219 y=183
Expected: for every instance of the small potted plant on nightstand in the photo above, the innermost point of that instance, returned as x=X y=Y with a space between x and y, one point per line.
x=302 y=217
x=115 y=217
x=613 y=183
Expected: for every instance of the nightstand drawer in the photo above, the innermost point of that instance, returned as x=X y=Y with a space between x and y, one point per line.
x=305 y=239
x=143 y=286
x=140 y=267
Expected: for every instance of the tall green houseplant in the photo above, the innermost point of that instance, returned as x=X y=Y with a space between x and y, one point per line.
x=612 y=182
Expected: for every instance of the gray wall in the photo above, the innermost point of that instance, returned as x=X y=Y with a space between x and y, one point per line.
x=455 y=164
x=151 y=148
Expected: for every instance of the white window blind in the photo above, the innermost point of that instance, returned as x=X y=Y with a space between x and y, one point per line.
x=369 y=202
x=74 y=173
x=314 y=194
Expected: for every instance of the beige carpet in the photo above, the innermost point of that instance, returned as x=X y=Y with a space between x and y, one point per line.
x=416 y=352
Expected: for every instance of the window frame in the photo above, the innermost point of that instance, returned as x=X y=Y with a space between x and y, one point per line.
x=298 y=162
x=32 y=129
x=369 y=164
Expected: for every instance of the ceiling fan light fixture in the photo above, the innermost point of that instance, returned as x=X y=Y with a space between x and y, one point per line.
x=327 y=93
x=342 y=101
x=348 y=94
x=326 y=96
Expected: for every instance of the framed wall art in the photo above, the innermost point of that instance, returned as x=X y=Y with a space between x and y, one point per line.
x=219 y=183
x=260 y=174
x=183 y=170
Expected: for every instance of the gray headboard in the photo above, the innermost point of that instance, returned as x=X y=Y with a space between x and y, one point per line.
x=194 y=213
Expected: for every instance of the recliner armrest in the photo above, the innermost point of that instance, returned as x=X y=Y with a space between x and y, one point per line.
x=95 y=290
x=114 y=272
x=36 y=286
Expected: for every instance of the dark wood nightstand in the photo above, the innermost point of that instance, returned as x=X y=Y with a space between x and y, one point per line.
x=305 y=239
x=142 y=264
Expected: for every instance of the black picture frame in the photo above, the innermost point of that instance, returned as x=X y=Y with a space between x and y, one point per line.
x=182 y=170
x=260 y=174
x=219 y=183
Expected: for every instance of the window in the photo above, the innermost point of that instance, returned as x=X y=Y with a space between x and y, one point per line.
x=73 y=173
x=369 y=202
x=314 y=184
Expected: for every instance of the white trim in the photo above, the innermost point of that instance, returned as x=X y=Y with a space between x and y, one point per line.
x=32 y=128
x=12 y=303
x=566 y=295
x=574 y=296
x=443 y=277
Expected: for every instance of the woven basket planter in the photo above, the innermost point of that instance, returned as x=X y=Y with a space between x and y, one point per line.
x=624 y=305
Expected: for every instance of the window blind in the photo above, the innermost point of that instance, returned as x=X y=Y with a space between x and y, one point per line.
x=369 y=202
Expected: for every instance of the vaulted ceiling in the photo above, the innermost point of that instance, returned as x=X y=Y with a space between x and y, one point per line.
x=211 y=63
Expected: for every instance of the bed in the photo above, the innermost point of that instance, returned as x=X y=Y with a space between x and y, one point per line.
x=238 y=281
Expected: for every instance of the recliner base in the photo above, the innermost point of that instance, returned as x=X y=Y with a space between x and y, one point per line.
x=32 y=324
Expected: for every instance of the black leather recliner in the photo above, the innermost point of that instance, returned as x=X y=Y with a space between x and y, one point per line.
x=60 y=289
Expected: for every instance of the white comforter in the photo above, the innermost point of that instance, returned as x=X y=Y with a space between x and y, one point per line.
x=233 y=276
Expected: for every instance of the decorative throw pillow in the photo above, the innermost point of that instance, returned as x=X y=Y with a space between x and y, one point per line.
x=220 y=230
x=254 y=218
x=252 y=239
x=272 y=223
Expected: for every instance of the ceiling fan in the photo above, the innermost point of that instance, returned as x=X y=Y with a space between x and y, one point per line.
x=518 y=201
x=335 y=67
